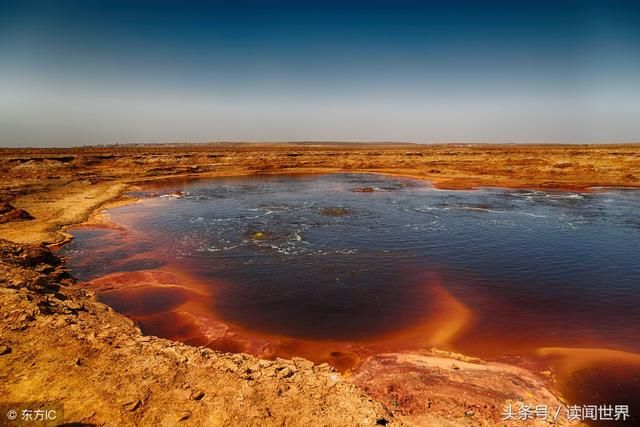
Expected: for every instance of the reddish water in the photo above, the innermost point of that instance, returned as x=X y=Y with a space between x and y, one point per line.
x=538 y=278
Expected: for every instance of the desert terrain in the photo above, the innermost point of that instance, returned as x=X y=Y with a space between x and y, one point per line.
x=59 y=344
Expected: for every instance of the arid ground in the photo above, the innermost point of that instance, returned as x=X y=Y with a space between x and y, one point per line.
x=58 y=344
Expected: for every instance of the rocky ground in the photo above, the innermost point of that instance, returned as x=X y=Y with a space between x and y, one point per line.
x=58 y=344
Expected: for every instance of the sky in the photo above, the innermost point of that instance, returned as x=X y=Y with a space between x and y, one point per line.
x=89 y=72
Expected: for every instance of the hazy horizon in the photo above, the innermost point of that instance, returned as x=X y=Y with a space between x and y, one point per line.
x=304 y=143
x=83 y=73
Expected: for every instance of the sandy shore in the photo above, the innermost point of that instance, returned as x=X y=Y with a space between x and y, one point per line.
x=60 y=345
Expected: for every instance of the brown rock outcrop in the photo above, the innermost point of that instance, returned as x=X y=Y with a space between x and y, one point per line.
x=9 y=213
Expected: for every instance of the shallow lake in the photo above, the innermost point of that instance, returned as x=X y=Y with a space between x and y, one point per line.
x=335 y=267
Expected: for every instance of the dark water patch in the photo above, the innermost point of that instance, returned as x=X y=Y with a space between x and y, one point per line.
x=328 y=301
x=608 y=386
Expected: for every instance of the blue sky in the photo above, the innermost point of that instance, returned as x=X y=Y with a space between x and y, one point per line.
x=88 y=72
